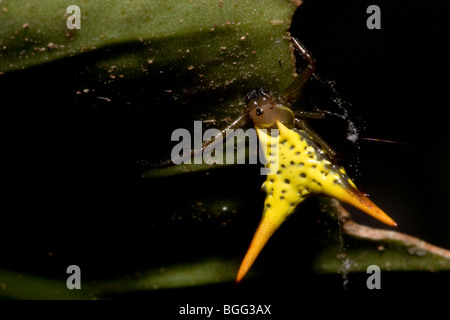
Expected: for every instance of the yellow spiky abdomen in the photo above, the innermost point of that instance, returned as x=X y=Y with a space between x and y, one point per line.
x=299 y=168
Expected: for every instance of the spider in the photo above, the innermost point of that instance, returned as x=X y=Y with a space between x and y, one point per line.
x=305 y=164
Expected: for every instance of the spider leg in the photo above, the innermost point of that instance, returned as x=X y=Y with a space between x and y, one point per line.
x=310 y=114
x=241 y=121
x=292 y=92
x=302 y=125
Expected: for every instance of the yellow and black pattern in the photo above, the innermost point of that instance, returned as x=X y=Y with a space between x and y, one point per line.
x=299 y=169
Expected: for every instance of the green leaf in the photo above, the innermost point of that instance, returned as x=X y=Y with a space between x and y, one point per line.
x=180 y=33
x=195 y=60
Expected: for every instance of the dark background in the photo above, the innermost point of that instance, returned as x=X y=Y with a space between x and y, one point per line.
x=71 y=181
x=395 y=80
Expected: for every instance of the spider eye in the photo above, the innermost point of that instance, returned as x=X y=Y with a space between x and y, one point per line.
x=261 y=107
